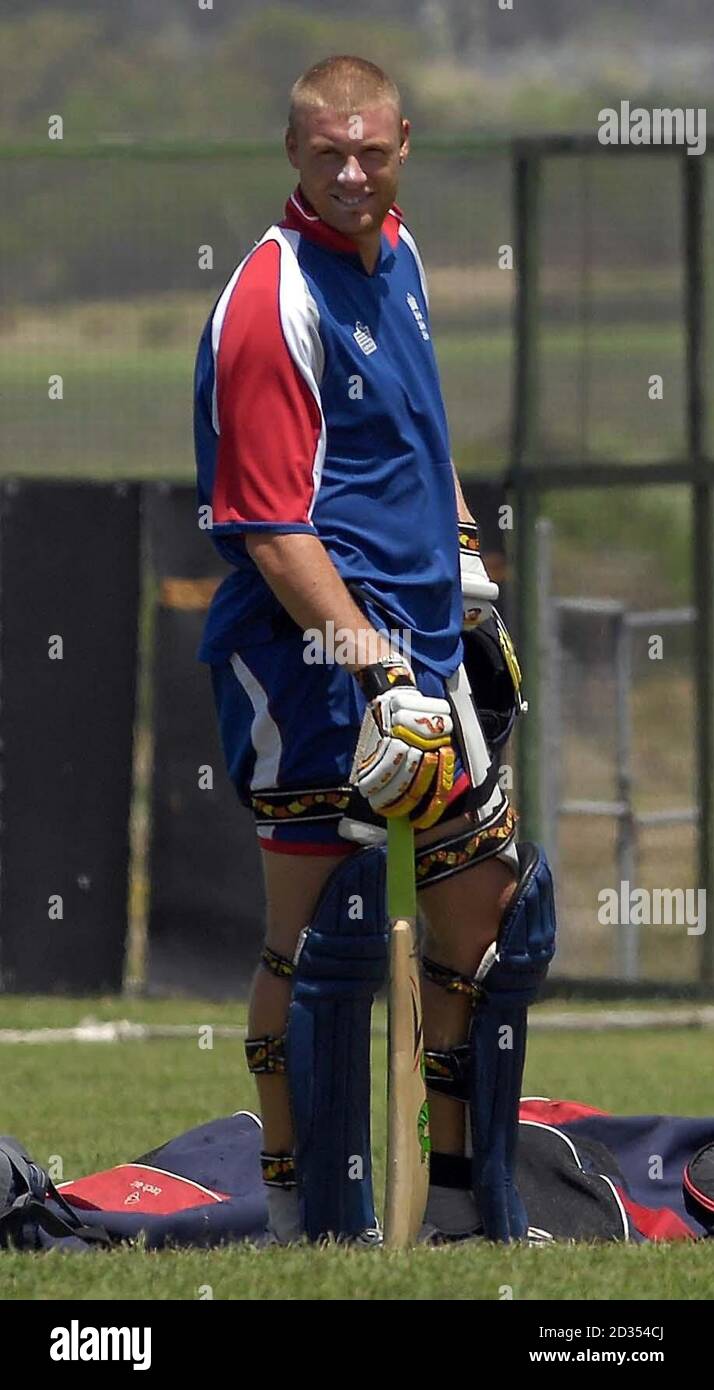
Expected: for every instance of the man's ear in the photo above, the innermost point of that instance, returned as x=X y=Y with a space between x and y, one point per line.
x=291 y=147
x=404 y=142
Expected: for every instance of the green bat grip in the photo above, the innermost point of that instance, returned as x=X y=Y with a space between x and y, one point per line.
x=401 y=882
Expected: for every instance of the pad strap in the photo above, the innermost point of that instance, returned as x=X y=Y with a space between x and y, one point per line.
x=458 y=852
x=450 y=980
x=275 y=964
x=265 y=1056
x=278 y=1170
x=275 y=807
x=449 y=1072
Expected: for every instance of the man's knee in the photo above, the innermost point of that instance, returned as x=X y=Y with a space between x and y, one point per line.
x=293 y=884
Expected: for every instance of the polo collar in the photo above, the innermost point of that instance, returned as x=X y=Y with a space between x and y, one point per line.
x=300 y=216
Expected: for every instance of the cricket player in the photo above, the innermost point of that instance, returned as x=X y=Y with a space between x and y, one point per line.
x=324 y=466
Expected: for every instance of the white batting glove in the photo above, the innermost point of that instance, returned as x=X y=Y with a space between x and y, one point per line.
x=478 y=591
x=404 y=761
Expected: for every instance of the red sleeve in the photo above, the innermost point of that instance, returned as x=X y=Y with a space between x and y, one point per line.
x=269 y=420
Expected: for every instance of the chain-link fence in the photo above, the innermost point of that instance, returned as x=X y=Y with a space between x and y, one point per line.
x=111 y=260
x=618 y=785
x=613 y=442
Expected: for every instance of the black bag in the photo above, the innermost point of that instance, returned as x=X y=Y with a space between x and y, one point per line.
x=26 y=1220
x=698 y=1187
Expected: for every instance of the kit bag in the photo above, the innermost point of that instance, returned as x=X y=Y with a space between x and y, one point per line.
x=27 y=1222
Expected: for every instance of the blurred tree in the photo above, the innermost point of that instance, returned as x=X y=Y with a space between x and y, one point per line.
x=278 y=43
x=42 y=56
x=170 y=70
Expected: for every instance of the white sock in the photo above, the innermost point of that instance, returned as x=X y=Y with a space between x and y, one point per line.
x=284 y=1214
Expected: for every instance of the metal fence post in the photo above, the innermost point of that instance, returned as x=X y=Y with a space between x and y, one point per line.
x=526 y=182
x=549 y=667
x=627 y=952
x=703 y=534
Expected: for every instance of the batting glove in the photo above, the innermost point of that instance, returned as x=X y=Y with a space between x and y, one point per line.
x=404 y=762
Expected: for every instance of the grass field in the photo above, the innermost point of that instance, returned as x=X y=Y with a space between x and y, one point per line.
x=127 y=378
x=98 y=1104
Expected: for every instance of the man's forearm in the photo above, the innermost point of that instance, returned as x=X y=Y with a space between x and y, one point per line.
x=303 y=578
x=463 y=512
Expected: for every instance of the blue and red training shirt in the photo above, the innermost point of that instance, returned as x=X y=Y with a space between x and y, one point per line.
x=318 y=408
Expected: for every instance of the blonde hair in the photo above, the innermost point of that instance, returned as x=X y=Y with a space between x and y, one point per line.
x=344 y=84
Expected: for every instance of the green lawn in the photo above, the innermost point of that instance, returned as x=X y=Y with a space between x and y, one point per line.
x=568 y=1272
x=126 y=408
x=99 y=1104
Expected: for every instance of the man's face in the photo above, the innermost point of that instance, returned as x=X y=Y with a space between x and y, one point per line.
x=349 y=165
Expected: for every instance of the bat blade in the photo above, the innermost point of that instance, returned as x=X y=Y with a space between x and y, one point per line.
x=407 y=1110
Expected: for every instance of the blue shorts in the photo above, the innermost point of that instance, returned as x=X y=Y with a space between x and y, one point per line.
x=288 y=725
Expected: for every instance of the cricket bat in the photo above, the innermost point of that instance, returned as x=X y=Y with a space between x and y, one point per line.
x=408 y=1141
